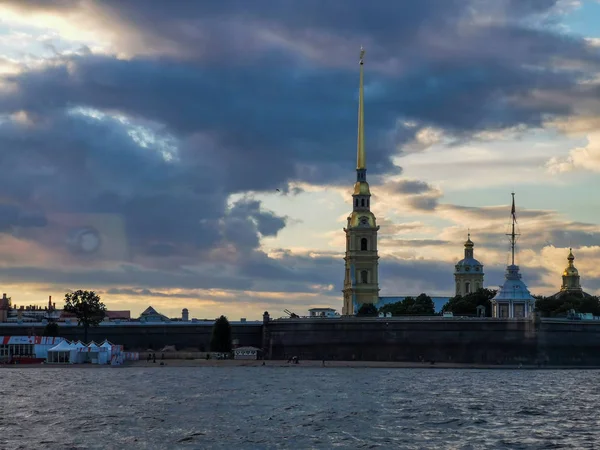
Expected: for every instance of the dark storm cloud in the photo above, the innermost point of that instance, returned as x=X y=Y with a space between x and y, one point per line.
x=424 y=202
x=410 y=187
x=268 y=121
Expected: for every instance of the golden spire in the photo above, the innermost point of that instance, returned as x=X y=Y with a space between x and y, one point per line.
x=360 y=157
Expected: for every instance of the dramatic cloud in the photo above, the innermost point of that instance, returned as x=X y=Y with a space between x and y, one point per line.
x=581 y=158
x=128 y=137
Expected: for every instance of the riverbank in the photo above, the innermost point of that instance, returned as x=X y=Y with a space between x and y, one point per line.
x=200 y=363
x=342 y=364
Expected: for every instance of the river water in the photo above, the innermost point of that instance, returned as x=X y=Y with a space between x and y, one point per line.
x=298 y=408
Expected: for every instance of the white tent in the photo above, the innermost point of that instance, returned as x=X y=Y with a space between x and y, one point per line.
x=98 y=355
x=79 y=356
x=108 y=346
x=62 y=353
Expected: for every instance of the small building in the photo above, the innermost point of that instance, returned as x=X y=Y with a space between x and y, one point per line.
x=26 y=348
x=246 y=353
x=513 y=300
x=151 y=315
x=322 y=312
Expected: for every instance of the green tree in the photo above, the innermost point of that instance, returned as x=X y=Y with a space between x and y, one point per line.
x=51 y=330
x=468 y=304
x=87 y=307
x=220 y=340
x=421 y=306
x=560 y=306
x=367 y=309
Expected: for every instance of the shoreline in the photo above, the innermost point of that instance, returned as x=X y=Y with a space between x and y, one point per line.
x=200 y=363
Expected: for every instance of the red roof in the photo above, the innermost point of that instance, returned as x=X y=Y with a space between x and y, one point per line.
x=118 y=314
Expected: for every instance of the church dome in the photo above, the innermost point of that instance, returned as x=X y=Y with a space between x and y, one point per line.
x=469 y=263
x=570 y=270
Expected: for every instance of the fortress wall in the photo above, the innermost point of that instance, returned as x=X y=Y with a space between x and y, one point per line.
x=483 y=341
x=569 y=342
x=470 y=341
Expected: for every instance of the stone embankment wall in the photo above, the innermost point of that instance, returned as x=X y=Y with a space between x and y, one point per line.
x=473 y=341
x=470 y=341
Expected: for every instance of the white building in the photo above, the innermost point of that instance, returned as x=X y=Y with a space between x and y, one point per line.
x=246 y=353
x=322 y=312
x=513 y=300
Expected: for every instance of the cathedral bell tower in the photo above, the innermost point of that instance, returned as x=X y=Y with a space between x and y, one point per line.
x=468 y=274
x=361 y=281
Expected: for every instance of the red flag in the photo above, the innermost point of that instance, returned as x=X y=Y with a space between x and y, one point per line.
x=512 y=211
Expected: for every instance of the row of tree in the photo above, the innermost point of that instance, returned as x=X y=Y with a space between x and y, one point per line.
x=421 y=305
x=468 y=305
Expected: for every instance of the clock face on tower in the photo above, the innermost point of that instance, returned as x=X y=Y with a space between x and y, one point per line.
x=364 y=221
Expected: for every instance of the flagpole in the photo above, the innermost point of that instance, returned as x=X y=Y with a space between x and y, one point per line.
x=512 y=235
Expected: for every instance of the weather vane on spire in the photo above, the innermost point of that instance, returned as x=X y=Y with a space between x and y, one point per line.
x=362 y=54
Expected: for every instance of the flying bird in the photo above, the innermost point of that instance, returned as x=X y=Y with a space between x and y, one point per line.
x=277 y=190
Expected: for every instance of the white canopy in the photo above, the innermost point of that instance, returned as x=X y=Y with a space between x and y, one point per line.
x=93 y=346
x=78 y=345
x=106 y=345
x=63 y=346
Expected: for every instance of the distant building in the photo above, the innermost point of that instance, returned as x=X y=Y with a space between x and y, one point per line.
x=513 y=299
x=468 y=272
x=322 y=312
x=151 y=315
x=4 y=307
x=185 y=315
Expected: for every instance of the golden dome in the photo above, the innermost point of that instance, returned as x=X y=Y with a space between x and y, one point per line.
x=570 y=270
x=361 y=188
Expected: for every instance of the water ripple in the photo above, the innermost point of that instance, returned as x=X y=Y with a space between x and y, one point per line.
x=258 y=408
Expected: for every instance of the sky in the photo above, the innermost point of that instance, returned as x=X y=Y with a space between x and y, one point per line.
x=202 y=155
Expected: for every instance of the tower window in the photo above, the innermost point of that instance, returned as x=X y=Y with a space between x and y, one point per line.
x=364 y=276
x=356 y=202
x=362 y=202
x=364 y=244
x=467 y=288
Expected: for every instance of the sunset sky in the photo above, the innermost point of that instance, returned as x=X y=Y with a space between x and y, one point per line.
x=168 y=127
